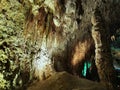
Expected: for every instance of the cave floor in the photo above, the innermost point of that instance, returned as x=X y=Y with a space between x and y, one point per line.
x=65 y=81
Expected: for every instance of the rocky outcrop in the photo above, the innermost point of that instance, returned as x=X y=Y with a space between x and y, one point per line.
x=65 y=81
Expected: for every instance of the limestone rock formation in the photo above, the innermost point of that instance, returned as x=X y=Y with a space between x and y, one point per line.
x=41 y=37
x=102 y=51
x=65 y=81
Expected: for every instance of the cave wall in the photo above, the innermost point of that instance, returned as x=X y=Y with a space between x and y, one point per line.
x=14 y=60
x=41 y=37
x=72 y=27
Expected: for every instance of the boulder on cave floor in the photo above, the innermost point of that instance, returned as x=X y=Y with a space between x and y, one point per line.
x=65 y=81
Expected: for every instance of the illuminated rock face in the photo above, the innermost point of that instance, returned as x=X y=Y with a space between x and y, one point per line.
x=62 y=48
x=42 y=63
x=44 y=60
x=48 y=57
x=60 y=45
x=60 y=29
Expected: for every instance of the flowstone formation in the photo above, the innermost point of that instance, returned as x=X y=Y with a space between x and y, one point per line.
x=49 y=30
x=61 y=32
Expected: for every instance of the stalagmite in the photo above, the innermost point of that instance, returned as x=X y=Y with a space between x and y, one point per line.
x=103 y=59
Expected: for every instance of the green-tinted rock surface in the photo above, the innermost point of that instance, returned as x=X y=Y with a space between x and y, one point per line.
x=12 y=55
